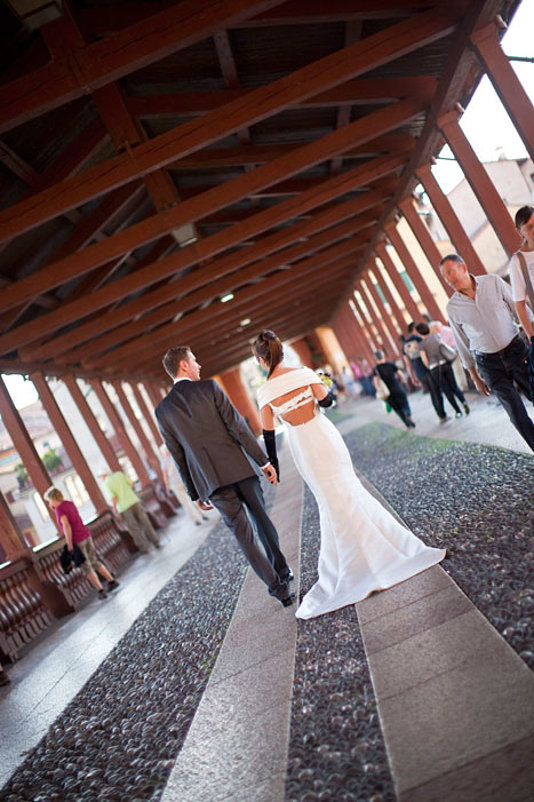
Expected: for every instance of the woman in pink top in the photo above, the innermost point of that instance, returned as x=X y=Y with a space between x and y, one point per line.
x=77 y=534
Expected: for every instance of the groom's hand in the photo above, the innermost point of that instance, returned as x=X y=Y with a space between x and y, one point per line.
x=270 y=474
x=204 y=505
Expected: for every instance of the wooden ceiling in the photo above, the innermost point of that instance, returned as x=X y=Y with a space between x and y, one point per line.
x=279 y=135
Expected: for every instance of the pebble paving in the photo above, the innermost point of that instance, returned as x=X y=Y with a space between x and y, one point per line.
x=474 y=500
x=119 y=737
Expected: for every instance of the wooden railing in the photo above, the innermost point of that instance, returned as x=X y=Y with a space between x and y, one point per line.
x=23 y=613
x=152 y=506
x=110 y=542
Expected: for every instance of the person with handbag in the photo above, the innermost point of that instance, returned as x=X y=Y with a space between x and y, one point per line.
x=394 y=394
x=438 y=357
x=482 y=316
x=522 y=280
x=77 y=534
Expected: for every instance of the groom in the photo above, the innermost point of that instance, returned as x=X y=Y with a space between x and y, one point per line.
x=207 y=438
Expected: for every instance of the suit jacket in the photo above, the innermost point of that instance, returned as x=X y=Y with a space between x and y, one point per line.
x=206 y=436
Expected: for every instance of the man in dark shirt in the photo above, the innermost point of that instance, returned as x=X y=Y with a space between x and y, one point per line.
x=418 y=371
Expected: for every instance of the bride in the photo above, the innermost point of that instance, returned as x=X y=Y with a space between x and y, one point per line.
x=363 y=547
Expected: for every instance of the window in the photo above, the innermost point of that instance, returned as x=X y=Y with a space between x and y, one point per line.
x=76 y=489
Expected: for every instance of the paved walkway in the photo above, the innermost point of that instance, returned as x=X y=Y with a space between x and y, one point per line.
x=456 y=703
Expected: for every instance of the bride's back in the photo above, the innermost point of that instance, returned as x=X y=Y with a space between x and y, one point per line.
x=294 y=407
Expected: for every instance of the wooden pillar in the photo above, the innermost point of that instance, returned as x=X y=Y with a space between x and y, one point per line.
x=364 y=348
x=385 y=316
x=120 y=431
x=396 y=278
x=301 y=347
x=480 y=182
x=450 y=220
x=23 y=443
x=388 y=295
x=150 y=454
x=72 y=448
x=147 y=414
x=506 y=83
x=11 y=541
x=87 y=414
x=424 y=238
x=376 y=336
x=414 y=273
x=341 y=330
x=372 y=340
x=153 y=393
x=240 y=398
x=389 y=343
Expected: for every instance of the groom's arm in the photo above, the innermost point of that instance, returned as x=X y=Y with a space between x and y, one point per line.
x=237 y=426
x=178 y=455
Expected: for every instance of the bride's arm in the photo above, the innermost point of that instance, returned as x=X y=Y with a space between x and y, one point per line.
x=269 y=437
x=321 y=394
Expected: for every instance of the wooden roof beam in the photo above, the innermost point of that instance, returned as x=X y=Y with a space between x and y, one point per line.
x=364 y=91
x=293 y=277
x=148 y=230
x=329 y=71
x=103 y=21
x=209 y=247
x=220 y=287
x=248 y=304
x=99 y=63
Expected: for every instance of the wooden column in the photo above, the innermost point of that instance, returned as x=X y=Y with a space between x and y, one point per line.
x=385 y=316
x=414 y=273
x=23 y=443
x=389 y=342
x=72 y=448
x=388 y=295
x=424 y=238
x=341 y=330
x=506 y=83
x=138 y=429
x=120 y=431
x=396 y=278
x=361 y=340
x=302 y=349
x=480 y=182
x=153 y=393
x=450 y=220
x=241 y=399
x=377 y=340
x=366 y=335
x=147 y=413
x=11 y=541
x=89 y=417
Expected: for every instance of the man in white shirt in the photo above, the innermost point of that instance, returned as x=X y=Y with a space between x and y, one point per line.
x=524 y=222
x=481 y=314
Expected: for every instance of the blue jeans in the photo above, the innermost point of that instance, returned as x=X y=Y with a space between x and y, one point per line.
x=500 y=371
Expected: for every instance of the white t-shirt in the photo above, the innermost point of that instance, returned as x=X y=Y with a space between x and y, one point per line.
x=519 y=290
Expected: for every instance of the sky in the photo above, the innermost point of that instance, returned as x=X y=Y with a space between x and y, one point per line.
x=485 y=123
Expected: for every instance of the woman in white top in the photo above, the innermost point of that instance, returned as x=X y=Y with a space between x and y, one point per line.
x=524 y=222
x=363 y=548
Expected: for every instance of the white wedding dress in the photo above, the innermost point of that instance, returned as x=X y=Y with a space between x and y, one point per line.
x=363 y=547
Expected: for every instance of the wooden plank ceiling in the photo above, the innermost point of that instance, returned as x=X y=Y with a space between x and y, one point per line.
x=279 y=136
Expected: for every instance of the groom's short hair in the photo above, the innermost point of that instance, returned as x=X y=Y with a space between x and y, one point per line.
x=173 y=357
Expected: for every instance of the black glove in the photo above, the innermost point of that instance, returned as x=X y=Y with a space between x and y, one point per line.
x=269 y=438
x=326 y=401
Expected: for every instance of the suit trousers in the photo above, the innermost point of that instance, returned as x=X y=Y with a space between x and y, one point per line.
x=503 y=370
x=233 y=501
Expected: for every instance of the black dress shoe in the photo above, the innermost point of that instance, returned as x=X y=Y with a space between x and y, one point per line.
x=288 y=577
x=288 y=601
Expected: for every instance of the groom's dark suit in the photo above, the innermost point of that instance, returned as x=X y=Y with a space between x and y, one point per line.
x=206 y=436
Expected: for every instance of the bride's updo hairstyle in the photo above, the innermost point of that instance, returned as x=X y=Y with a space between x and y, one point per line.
x=268 y=346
